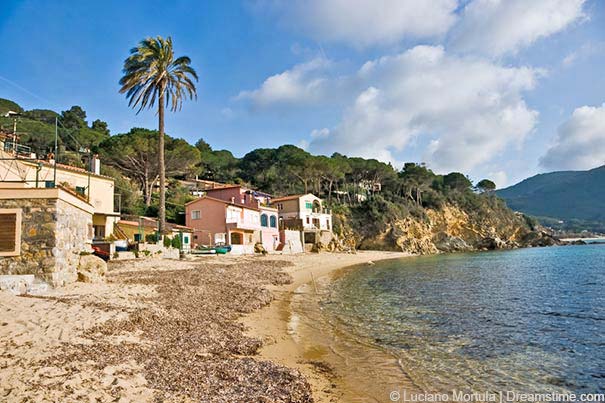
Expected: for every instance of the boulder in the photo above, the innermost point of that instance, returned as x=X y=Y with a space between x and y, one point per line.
x=91 y=269
x=448 y=243
x=491 y=243
x=539 y=238
x=259 y=248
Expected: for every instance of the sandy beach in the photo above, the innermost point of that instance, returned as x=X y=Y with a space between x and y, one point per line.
x=199 y=330
x=273 y=324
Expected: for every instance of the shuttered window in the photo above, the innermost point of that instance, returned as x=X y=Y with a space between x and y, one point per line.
x=10 y=232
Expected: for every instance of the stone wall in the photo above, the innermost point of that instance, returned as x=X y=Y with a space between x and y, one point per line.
x=53 y=233
x=73 y=235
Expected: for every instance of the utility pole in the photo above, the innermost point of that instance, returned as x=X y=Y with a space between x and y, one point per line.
x=56 y=151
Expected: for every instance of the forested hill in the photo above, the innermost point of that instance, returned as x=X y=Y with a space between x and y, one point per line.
x=375 y=205
x=575 y=197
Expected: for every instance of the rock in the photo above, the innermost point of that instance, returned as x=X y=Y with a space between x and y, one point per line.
x=578 y=242
x=91 y=269
x=318 y=247
x=539 y=238
x=259 y=248
x=491 y=243
x=447 y=243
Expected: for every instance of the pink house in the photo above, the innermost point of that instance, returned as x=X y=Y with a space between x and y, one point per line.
x=233 y=216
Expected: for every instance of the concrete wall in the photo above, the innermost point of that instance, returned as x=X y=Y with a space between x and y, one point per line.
x=55 y=228
x=291 y=241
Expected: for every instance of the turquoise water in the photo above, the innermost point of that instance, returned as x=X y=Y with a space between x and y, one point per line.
x=529 y=320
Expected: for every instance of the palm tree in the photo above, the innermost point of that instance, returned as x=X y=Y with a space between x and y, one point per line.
x=151 y=72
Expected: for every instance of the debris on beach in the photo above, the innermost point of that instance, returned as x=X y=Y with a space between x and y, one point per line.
x=193 y=347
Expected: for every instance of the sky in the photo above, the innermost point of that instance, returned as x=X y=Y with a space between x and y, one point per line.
x=502 y=89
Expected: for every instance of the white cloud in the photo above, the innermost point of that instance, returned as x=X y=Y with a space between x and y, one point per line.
x=496 y=27
x=580 y=141
x=362 y=23
x=467 y=110
x=303 y=83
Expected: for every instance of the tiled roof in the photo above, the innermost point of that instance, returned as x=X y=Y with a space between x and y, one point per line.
x=153 y=223
x=224 y=202
x=292 y=197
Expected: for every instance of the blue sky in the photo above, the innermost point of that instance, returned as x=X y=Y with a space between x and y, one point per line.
x=501 y=89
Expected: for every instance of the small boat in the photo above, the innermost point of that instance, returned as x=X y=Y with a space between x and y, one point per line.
x=222 y=250
x=204 y=250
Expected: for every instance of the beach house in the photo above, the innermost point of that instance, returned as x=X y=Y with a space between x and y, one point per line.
x=305 y=212
x=247 y=219
x=88 y=184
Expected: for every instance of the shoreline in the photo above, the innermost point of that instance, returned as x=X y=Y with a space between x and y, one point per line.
x=274 y=323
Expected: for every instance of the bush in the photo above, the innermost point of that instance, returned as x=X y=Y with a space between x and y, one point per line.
x=167 y=242
x=176 y=242
x=151 y=238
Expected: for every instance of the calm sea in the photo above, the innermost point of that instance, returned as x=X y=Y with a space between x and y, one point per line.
x=528 y=320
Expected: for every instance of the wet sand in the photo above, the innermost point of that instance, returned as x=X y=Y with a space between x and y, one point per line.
x=288 y=342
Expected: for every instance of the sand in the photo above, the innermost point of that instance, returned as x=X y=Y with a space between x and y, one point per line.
x=274 y=323
x=168 y=331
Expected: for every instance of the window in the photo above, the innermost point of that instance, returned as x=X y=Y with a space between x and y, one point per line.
x=233 y=215
x=99 y=231
x=308 y=220
x=308 y=205
x=273 y=221
x=185 y=240
x=196 y=215
x=137 y=237
x=263 y=220
x=237 y=238
x=10 y=236
x=49 y=184
x=280 y=206
x=81 y=190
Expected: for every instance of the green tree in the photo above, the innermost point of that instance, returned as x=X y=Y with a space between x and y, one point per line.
x=135 y=154
x=486 y=185
x=74 y=118
x=456 y=181
x=152 y=73
x=100 y=126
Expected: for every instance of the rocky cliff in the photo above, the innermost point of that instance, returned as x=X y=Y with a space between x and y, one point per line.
x=450 y=228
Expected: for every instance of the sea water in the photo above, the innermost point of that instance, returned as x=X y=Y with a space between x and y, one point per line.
x=525 y=321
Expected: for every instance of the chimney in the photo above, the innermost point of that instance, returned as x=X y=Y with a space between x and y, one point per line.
x=95 y=165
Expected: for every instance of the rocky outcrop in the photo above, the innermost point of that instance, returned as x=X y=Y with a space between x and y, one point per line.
x=448 y=243
x=451 y=229
x=540 y=238
x=91 y=269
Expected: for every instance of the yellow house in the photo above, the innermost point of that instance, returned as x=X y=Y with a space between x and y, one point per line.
x=91 y=186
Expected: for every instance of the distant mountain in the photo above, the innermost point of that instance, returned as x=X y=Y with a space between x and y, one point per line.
x=575 y=196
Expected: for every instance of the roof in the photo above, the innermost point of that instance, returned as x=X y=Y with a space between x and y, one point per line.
x=291 y=197
x=224 y=202
x=153 y=223
x=223 y=187
x=66 y=168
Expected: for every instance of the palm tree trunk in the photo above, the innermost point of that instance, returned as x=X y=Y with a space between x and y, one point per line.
x=162 y=209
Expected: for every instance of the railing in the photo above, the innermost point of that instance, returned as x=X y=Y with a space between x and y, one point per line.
x=15 y=148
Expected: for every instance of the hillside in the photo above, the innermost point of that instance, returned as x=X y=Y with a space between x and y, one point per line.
x=375 y=205
x=576 y=197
